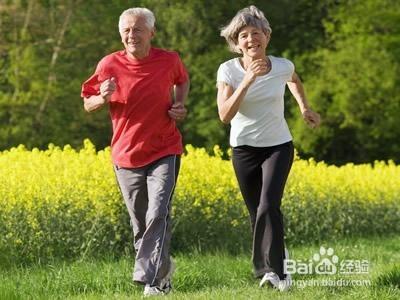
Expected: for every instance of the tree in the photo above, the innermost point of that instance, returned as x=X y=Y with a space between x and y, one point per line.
x=49 y=47
x=42 y=43
x=355 y=85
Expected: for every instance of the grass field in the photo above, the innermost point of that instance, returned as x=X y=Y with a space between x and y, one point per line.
x=209 y=276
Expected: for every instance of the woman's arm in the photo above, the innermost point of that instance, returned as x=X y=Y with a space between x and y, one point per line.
x=295 y=85
x=229 y=100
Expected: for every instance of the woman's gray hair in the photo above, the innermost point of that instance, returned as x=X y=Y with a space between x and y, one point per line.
x=138 y=11
x=249 y=16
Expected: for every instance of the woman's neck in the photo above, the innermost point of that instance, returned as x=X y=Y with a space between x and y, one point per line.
x=246 y=60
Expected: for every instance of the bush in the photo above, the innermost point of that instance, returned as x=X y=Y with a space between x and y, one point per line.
x=63 y=203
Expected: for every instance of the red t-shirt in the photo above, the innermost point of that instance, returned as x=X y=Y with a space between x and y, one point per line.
x=142 y=129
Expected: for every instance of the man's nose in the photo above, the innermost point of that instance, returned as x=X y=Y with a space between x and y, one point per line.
x=131 y=33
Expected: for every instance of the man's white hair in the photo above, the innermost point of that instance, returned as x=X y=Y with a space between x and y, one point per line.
x=138 y=11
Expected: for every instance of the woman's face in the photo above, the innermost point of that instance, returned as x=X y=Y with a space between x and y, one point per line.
x=252 y=41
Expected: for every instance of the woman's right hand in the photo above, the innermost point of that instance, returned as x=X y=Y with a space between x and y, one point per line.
x=256 y=68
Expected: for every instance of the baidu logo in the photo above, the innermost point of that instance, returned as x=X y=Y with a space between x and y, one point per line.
x=325 y=262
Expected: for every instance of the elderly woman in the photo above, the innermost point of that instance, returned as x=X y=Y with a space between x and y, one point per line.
x=250 y=97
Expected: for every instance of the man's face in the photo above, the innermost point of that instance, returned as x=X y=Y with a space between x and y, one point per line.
x=136 y=36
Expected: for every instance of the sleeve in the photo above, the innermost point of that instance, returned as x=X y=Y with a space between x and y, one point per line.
x=91 y=87
x=180 y=73
x=223 y=75
x=290 y=70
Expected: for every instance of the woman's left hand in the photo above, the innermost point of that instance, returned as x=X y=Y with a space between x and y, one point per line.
x=312 y=118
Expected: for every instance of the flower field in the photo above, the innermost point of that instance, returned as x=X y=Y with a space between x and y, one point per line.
x=64 y=203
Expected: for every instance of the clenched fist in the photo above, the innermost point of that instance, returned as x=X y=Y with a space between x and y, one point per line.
x=177 y=111
x=312 y=118
x=107 y=88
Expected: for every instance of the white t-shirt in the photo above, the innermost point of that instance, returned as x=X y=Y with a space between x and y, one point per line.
x=260 y=121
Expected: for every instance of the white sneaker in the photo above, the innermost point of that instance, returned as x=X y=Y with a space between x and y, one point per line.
x=274 y=281
x=270 y=278
x=165 y=285
x=154 y=291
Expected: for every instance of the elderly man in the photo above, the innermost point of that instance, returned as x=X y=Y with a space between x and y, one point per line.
x=145 y=89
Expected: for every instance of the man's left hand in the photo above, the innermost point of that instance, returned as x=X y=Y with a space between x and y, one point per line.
x=177 y=111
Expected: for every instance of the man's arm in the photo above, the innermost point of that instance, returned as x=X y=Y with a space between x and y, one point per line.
x=181 y=92
x=178 y=110
x=95 y=102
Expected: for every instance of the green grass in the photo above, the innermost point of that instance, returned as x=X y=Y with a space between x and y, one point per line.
x=207 y=276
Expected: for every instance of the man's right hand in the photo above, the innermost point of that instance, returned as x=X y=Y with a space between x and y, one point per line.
x=107 y=88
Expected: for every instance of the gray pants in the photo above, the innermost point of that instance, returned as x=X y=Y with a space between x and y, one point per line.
x=147 y=192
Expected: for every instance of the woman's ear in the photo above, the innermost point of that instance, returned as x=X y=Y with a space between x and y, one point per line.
x=268 y=34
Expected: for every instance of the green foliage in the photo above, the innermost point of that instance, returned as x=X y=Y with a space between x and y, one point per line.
x=47 y=49
x=65 y=203
x=345 y=51
x=354 y=85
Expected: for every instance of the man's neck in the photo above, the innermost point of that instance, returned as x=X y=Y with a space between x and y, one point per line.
x=141 y=55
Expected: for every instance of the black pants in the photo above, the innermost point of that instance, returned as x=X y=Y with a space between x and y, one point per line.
x=262 y=174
